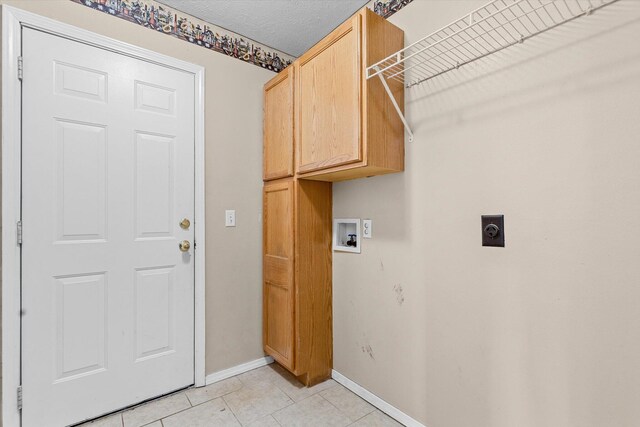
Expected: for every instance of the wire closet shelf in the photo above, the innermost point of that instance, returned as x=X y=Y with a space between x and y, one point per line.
x=489 y=29
x=496 y=26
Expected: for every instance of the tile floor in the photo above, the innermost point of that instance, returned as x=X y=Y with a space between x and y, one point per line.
x=267 y=396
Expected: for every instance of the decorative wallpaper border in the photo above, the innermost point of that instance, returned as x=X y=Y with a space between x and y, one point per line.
x=166 y=20
x=159 y=17
x=386 y=8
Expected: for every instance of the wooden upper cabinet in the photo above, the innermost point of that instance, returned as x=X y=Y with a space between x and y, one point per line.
x=278 y=126
x=345 y=125
x=329 y=101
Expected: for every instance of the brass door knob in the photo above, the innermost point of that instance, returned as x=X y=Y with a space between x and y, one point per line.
x=184 y=245
x=185 y=224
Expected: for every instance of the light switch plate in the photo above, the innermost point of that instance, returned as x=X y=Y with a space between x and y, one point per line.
x=367 y=231
x=230 y=218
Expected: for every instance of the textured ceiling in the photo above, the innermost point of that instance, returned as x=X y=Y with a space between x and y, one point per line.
x=291 y=26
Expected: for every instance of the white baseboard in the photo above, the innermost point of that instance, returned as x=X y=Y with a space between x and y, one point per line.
x=384 y=406
x=237 y=370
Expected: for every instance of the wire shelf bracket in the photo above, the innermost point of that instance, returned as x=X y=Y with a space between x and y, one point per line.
x=489 y=29
x=396 y=106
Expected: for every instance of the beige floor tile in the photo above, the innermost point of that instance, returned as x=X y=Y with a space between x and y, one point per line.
x=210 y=414
x=267 y=421
x=266 y=374
x=296 y=390
x=155 y=410
x=282 y=373
x=269 y=396
x=114 y=420
x=376 y=419
x=255 y=401
x=286 y=381
x=352 y=405
x=202 y=394
x=314 y=411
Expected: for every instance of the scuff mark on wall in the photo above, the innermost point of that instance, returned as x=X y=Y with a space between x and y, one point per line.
x=399 y=293
x=367 y=349
x=381 y=265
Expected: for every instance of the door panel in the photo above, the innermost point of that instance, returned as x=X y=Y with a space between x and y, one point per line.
x=328 y=101
x=154 y=312
x=73 y=80
x=155 y=99
x=278 y=272
x=278 y=126
x=81 y=181
x=154 y=185
x=279 y=322
x=80 y=325
x=108 y=174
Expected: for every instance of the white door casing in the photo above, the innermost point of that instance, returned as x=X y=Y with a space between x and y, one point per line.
x=89 y=226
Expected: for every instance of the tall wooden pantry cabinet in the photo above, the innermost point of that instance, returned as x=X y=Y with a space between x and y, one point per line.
x=297 y=329
x=297 y=323
x=323 y=122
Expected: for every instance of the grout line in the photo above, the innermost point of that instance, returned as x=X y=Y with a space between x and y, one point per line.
x=188 y=400
x=212 y=398
x=295 y=379
x=195 y=406
x=231 y=409
x=293 y=402
x=158 y=399
x=192 y=406
x=285 y=393
x=121 y=412
x=365 y=415
x=243 y=385
x=153 y=422
x=235 y=418
x=342 y=412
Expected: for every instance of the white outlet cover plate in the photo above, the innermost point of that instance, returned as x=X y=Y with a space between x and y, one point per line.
x=367 y=231
x=230 y=218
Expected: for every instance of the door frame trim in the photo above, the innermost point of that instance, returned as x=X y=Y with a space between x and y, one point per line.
x=12 y=21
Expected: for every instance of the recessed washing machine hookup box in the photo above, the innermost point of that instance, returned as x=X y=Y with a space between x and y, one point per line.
x=346 y=235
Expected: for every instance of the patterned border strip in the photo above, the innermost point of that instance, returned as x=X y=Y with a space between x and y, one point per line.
x=386 y=8
x=169 y=21
x=155 y=16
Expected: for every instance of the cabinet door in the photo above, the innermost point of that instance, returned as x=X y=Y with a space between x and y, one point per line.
x=278 y=126
x=278 y=287
x=328 y=100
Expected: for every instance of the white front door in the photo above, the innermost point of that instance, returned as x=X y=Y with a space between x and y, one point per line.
x=107 y=178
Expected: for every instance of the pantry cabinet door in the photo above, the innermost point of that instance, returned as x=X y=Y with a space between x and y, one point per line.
x=278 y=266
x=328 y=101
